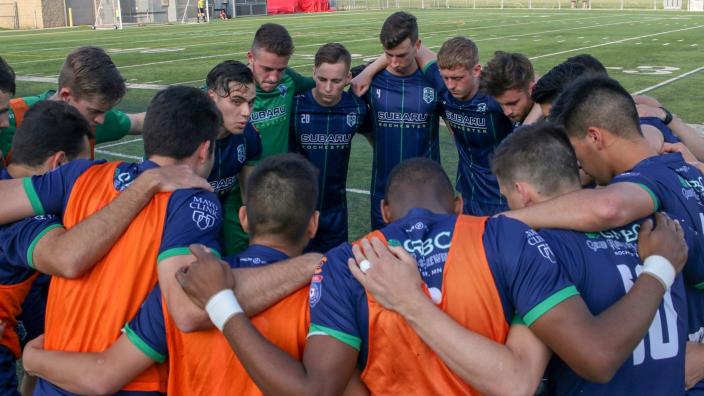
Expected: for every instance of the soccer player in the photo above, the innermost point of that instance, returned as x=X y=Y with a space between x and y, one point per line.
x=90 y=82
x=403 y=107
x=7 y=91
x=324 y=121
x=280 y=226
x=201 y=11
x=276 y=85
x=231 y=86
x=54 y=133
x=509 y=78
x=349 y=328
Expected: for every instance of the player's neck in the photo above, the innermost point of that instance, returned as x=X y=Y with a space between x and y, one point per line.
x=627 y=153
x=411 y=69
x=168 y=161
x=274 y=242
x=316 y=97
x=17 y=171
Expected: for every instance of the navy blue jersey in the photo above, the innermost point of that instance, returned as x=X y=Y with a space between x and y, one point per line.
x=660 y=125
x=231 y=153
x=478 y=126
x=528 y=279
x=604 y=267
x=147 y=330
x=695 y=302
x=404 y=116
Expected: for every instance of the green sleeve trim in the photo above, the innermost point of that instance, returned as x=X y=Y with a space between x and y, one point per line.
x=179 y=251
x=137 y=341
x=548 y=304
x=518 y=320
x=654 y=197
x=33 y=196
x=427 y=66
x=30 y=250
x=699 y=286
x=354 y=342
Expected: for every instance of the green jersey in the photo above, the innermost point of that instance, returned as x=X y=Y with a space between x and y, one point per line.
x=116 y=125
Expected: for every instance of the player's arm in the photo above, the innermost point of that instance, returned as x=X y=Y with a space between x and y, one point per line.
x=300 y=82
x=16 y=204
x=590 y=210
x=136 y=123
x=424 y=56
x=394 y=281
x=694 y=364
x=534 y=115
x=93 y=237
x=595 y=347
x=686 y=154
x=328 y=364
x=361 y=83
x=98 y=373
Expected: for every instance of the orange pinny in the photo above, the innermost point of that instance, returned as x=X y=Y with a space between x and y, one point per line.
x=399 y=362
x=86 y=314
x=203 y=363
x=11 y=299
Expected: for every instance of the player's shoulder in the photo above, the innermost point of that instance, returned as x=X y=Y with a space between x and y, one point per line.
x=504 y=225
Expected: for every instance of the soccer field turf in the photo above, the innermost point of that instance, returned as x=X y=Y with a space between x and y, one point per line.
x=656 y=52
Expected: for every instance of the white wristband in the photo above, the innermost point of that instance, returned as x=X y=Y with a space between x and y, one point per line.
x=221 y=307
x=661 y=269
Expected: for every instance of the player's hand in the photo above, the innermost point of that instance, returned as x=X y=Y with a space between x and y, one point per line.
x=32 y=354
x=173 y=177
x=694 y=364
x=206 y=276
x=361 y=83
x=665 y=239
x=392 y=278
x=679 y=148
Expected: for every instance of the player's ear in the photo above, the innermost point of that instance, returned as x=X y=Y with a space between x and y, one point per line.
x=250 y=56
x=313 y=225
x=525 y=191
x=386 y=211
x=204 y=152
x=596 y=136
x=244 y=220
x=348 y=78
x=55 y=160
x=477 y=70
x=64 y=94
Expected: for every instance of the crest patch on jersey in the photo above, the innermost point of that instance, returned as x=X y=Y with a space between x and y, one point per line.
x=241 y=153
x=315 y=291
x=428 y=94
x=282 y=89
x=481 y=107
x=352 y=119
x=203 y=220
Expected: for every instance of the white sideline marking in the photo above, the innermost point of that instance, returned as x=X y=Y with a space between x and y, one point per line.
x=103 y=146
x=120 y=155
x=53 y=80
x=670 y=81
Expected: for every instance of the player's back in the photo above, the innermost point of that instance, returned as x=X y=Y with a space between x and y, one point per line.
x=604 y=267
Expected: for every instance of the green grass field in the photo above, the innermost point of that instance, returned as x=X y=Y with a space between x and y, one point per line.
x=658 y=52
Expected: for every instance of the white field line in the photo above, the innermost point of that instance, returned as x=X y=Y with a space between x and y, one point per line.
x=104 y=146
x=667 y=82
x=54 y=80
x=119 y=155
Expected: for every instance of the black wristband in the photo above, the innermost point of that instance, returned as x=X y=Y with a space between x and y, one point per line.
x=668 y=116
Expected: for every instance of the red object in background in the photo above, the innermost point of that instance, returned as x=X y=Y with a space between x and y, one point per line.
x=294 y=6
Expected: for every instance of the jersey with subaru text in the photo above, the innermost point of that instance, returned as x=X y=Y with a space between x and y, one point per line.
x=147 y=330
x=478 y=126
x=231 y=153
x=604 y=267
x=324 y=136
x=404 y=117
x=527 y=277
x=192 y=216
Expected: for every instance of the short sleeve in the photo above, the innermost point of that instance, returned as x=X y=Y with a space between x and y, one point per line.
x=570 y=260
x=643 y=181
x=49 y=192
x=333 y=299
x=192 y=216
x=116 y=126
x=18 y=240
x=253 y=142
x=147 y=330
x=431 y=71
x=301 y=83
x=526 y=269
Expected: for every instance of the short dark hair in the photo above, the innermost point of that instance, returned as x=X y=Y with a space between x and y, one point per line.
x=589 y=62
x=333 y=53
x=398 y=27
x=90 y=73
x=506 y=71
x=418 y=179
x=458 y=51
x=282 y=193
x=273 y=38
x=224 y=73
x=540 y=154
x=553 y=82
x=178 y=120
x=7 y=77
x=49 y=127
x=596 y=101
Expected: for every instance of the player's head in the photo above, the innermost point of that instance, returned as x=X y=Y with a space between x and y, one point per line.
x=271 y=49
x=509 y=78
x=231 y=86
x=331 y=73
x=418 y=183
x=282 y=192
x=535 y=163
x=7 y=91
x=399 y=37
x=90 y=82
x=181 y=124
x=458 y=61
x=51 y=134
x=553 y=82
x=597 y=111
x=590 y=63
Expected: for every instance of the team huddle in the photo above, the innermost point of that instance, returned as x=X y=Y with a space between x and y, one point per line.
x=568 y=258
